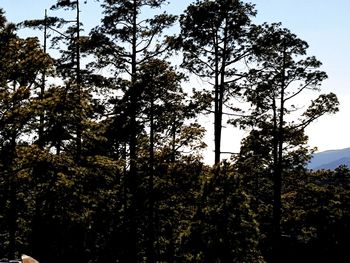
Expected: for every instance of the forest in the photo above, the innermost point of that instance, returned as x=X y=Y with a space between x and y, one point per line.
x=102 y=144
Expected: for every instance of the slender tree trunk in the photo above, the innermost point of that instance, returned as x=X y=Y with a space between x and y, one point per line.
x=133 y=251
x=276 y=188
x=221 y=94
x=133 y=95
x=12 y=214
x=42 y=90
x=78 y=76
x=217 y=117
x=277 y=206
x=173 y=139
x=219 y=91
x=151 y=237
x=12 y=189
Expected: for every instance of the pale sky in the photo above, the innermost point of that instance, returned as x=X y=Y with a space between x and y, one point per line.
x=324 y=24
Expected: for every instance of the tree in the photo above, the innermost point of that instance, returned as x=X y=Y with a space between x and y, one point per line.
x=167 y=109
x=164 y=109
x=70 y=118
x=279 y=78
x=123 y=42
x=72 y=36
x=21 y=61
x=214 y=38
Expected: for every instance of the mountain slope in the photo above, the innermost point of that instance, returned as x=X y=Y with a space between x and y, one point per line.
x=330 y=159
x=333 y=165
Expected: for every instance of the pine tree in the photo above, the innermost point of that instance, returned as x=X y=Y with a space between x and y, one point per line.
x=214 y=38
x=123 y=42
x=21 y=61
x=282 y=73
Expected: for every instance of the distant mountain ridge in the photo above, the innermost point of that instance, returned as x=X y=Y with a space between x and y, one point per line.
x=330 y=159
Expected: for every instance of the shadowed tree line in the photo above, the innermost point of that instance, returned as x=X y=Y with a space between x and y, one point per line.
x=101 y=142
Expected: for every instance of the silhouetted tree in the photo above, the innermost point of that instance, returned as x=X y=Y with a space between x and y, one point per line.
x=123 y=42
x=283 y=73
x=214 y=39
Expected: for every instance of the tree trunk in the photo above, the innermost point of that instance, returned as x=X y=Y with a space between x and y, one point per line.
x=276 y=217
x=151 y=237
x=12 y=190
x=42 y=90
x=277 y=206
x=217 y=116
x=78 y=76
x=132 y=255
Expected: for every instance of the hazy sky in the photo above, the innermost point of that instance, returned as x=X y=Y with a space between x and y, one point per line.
x=324 y=24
